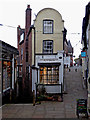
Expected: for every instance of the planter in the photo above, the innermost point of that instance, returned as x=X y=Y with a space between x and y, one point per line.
x=49 y=98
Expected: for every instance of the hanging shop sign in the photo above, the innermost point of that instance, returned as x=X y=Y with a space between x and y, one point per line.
x=83 y=54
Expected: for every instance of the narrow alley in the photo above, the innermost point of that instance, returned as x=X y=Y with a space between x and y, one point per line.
x=74 y=89
x=52 y=109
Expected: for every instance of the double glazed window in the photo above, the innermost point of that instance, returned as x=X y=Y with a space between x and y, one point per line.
x=48 y=26
x=49 y=75
x=48 y=46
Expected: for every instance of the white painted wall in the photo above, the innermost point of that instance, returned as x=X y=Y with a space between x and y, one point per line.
x=34 y=79
x=53 y=89
x=49 y=59
x=67 y=61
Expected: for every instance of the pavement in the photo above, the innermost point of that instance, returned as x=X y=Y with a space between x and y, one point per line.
x=51 y=109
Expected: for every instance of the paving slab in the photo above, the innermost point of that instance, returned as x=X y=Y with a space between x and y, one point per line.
x=52 y=109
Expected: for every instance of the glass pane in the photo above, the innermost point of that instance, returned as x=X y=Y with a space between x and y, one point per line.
x=47 y=46
x=6 y=74
x=48 y=26
x=50 y=75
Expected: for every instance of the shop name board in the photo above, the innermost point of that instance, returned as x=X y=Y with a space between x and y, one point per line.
x=48 y=59
x=83 y=54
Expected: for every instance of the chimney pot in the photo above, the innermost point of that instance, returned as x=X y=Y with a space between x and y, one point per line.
x=19 y=26
x=28 y=6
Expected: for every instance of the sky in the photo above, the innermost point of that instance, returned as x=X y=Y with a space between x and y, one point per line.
x=12 y=14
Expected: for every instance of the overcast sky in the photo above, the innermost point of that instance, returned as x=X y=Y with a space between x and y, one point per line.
x=12 y=13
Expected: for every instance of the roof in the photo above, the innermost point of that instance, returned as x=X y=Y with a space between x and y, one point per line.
x=70 y=48
x=7 y=47
x=49 y=9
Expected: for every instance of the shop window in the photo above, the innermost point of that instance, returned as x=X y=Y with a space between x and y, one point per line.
x=48 y=26
x=49 y=75
x=48 y=46
x=6 y=74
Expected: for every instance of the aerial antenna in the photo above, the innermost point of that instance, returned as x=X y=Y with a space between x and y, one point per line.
x=35 y=15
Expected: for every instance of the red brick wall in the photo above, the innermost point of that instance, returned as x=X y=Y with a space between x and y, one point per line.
x=23 y=45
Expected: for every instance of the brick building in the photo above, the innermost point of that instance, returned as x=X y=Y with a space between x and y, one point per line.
x=25 y=56
x=68 y=50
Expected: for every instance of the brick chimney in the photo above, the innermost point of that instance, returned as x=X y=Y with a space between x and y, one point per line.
x=28 y=18
x=18 y=35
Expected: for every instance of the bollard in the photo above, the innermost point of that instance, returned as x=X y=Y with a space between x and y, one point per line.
x=33 y=97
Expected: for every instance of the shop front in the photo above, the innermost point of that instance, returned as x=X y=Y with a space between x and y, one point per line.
x=8 y=72
x=48 y=73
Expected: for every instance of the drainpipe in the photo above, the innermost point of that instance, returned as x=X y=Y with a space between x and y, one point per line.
x=32 y=27
x=34 y=46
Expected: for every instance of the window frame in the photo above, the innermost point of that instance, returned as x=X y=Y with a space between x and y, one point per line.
x=46 y=47
x=53 y=73
x=47 y=20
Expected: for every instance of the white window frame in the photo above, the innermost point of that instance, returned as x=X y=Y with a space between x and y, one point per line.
x=47 y=26
x=47 y=47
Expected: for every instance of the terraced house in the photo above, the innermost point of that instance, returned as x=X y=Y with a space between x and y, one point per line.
x=48 y=51
x=41 y=52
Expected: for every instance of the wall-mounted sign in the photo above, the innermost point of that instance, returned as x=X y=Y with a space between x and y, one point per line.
x=83 y=54
x=50 y=59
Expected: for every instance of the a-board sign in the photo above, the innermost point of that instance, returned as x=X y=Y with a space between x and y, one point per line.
x=82 y=106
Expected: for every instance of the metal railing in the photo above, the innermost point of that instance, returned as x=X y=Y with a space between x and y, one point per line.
x=45 y=89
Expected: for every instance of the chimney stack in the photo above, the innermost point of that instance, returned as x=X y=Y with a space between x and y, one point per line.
x=28 y=6
x=28 y=18
x=18 y=35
